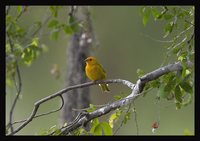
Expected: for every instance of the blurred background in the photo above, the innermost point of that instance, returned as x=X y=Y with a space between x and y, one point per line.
x=125 y=45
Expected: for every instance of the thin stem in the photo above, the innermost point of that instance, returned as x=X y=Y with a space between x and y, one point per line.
x=43 y=114
x=19 y=87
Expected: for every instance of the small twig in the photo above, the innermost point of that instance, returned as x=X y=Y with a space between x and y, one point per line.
x=72 y=11
x=192 y=36
x=181 y=33
x=122 y=120
x=7 y=9
x=20 y=14
x=43 y=114
x=71 y=123
x=46 y=19
x=136 y=121
x=134 y=111
x=83 y=109
x=189 y=23
x=156 y=40
x=19 y=82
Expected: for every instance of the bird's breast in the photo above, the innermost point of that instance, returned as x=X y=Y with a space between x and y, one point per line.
x=94 y=73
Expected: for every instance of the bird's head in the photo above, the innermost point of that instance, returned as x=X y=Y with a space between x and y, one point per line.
x=91 y=60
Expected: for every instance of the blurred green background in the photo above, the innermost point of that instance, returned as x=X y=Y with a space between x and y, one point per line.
x=124 y=47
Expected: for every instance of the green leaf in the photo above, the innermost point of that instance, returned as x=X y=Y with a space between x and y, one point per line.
x=18 y=49
x=162 y=93
x=188 y=100
x=35 y=42
x=168 y=28
x=146 y=15
x=140 y=72
x=183 y=56
x=186 y=87
x=170 y=85
x=92 y=108
x=19 y=9
x=9 y=82
x=168 y=16
x=98 y=130
x=178 y=94
x=55 y=34
x=68 y=29
x=186 y=25
x=127 y=117
x=114 y=117
x=155 y=13
x=53 y=23
x=177 y=49
x=57 y=132
x=187 y=132
x=118 y=97
x=183 y=13
x=155 y=83
x=178 y=105
x=185 y=72
x=94 y=123
x=29 y=54
x=74 y=24
x=82 y=131
x=168 y=77
x=54 y=10
x=106 y=128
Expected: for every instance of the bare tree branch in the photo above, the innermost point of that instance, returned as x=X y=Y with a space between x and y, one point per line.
x=38 y=103
x=85 y=117
x=43 y=114
x=136 y=90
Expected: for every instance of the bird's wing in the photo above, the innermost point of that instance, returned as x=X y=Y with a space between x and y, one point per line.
x=101 y=69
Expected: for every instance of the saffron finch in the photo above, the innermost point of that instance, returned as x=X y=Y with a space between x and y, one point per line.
x=94 y=71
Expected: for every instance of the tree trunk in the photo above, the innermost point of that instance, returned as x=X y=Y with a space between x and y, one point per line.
x=77 y=51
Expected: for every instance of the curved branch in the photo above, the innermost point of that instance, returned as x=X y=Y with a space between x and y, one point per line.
x=136 y=90
x=19 y=87
x=86 y=117
x=43 y=114
x=59 y=93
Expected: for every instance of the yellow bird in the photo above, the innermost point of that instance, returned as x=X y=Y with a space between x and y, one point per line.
x=94 y=71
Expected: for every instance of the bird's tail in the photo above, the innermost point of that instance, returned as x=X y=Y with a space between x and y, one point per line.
x=104 y=87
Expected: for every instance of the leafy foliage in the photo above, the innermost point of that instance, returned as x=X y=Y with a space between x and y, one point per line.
x=114 y=117
x=100 y=128
x=54 y=129
x=179 y=25
x=23 y=44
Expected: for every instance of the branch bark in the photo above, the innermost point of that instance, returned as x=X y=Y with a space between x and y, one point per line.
x=86 y=117
x=136 y=90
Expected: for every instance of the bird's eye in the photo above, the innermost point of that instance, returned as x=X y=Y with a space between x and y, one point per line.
x=90 y=59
